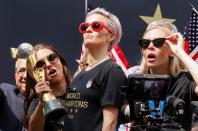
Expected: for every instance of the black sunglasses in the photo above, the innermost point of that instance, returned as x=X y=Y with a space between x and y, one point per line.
x=41 y=63
x=144 y=43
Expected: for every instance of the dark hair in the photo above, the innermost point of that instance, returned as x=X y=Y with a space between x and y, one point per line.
x=30 y=82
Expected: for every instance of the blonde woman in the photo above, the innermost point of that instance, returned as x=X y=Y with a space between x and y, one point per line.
x=163 y=53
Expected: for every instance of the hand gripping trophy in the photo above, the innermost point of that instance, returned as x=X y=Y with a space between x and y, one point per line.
x=53 y=110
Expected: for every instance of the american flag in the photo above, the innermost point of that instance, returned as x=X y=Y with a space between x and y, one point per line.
x=118 y=56
x=191 y=36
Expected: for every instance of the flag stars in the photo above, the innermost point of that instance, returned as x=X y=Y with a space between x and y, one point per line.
x=191 y=34
x=157 y=16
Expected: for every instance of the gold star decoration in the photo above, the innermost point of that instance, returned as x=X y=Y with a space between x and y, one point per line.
x=157 y=16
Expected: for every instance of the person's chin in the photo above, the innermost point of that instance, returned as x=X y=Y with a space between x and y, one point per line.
x=54 y=79
x=89 y=42
x=22 y=88
x=151 y=65
x=23 y=85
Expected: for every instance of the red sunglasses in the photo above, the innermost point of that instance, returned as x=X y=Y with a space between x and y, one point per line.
x=96 y=26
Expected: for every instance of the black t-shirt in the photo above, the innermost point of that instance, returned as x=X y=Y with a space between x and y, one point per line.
x=56 y=125
x=90 y=92
x=183 y=87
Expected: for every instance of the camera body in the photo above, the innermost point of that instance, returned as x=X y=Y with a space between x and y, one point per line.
x=148 y=102
x=146 y=86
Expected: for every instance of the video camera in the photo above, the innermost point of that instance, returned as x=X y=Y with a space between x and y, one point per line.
x=148 y=100
x=145 y=86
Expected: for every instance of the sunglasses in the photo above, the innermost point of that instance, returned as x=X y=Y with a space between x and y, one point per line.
x=144 y=43
x=96 y=26
x=41 y=63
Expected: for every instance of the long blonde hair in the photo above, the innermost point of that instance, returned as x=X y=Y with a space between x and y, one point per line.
x=176 y=65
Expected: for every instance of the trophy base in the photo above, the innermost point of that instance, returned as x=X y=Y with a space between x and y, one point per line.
x=53 y=110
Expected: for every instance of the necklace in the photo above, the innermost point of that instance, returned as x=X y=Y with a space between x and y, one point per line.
x=90 y=66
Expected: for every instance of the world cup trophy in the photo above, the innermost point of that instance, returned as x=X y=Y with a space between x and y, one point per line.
x=53 y=110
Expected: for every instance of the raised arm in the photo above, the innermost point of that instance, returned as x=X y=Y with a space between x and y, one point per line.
x=175 y=42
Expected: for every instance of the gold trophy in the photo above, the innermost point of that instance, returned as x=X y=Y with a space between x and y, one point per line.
x=53 y=110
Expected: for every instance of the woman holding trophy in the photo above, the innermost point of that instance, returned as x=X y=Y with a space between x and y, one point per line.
x=47 y=82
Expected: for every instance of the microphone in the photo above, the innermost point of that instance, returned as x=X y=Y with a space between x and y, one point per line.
x=24 y=49
x=176 y=103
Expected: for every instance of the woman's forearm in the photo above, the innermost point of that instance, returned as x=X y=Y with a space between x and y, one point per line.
x=36 y=122
x=110 y=117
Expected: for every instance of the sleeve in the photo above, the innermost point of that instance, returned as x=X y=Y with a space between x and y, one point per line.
x=191 y=86
x=33 y=106
x=184 y=87
x=111 y=87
